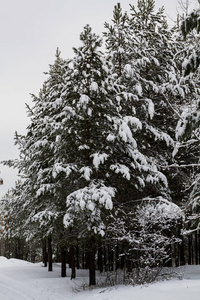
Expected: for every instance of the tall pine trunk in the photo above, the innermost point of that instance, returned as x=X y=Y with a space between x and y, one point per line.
x=44 y=253
x=50 y=254
x=92 y=268
x=77 y=258
x=100 y=257
x=63 y=262
x=72 y=260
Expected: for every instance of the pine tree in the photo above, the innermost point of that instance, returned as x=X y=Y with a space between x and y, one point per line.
x=116 y=39
x=152 y=78
x=149 y=75
x=94 y=138
x=97 y=156
x=36 y=161
x=187 y=130
x=97 y=152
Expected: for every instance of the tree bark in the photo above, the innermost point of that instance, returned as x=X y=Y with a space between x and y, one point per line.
x=50 y=254
x=44 y=253
x=105 y=259
x=182 y=252
x=189 y=250
x=100 y=258
x=92 y=268
x=196 y=248
x=77 y=258
x=63 y=262
x=73 y=264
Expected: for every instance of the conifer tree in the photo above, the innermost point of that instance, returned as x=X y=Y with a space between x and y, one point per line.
x=102 y=158
x=151 y=76
x=101 y=136
x=187 y=130
x=39 y=190
x=158 y=77
x=116 y=39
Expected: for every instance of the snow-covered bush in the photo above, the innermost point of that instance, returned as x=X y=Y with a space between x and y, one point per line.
x=148 y=231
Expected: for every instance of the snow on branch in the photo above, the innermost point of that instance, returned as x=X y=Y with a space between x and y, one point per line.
x=99 y=158
x=86 y=205
x=180 y=166
x=191 y=22
x=121 y=169
x=160 y=207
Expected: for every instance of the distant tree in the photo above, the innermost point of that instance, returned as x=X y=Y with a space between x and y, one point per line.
x=14 y=226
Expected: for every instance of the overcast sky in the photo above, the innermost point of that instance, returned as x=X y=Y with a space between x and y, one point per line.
x=30 y=32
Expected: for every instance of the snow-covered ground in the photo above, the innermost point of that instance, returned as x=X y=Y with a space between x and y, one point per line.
x=20 y=280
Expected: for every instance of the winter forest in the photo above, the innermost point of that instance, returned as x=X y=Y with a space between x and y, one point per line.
x=109 y=165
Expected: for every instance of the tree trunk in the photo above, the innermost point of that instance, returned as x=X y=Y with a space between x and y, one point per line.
x=196 y=248
x=182 y=252
x=44 y=253
x=63 y=262
x=77 y=258
x=100 y=258
x=83 y=257
x=105 y=259
x=92 y=268
x=110 y=258
x=50 y=254
x=117 y=257
x=73 y=264
x=189 y=250
x=173 y=256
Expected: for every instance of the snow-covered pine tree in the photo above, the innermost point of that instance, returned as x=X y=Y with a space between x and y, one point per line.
x=151 y=78
x=86 y=147
x=96 y=154
x=187 y=130
x=98 y=139
x=152 y=66
x=37 y=159
x=130 y=161
x=116 y=39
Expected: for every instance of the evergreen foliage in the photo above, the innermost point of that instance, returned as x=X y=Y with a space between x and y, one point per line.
x=187 y=130
x=191 y=24
x=95 y=161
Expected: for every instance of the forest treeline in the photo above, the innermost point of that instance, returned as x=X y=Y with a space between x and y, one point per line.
x=109 y=164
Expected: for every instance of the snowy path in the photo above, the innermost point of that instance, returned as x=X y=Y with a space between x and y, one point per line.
x=21 y=280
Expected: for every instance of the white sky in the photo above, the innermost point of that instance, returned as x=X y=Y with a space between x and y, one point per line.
x=30 y=32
